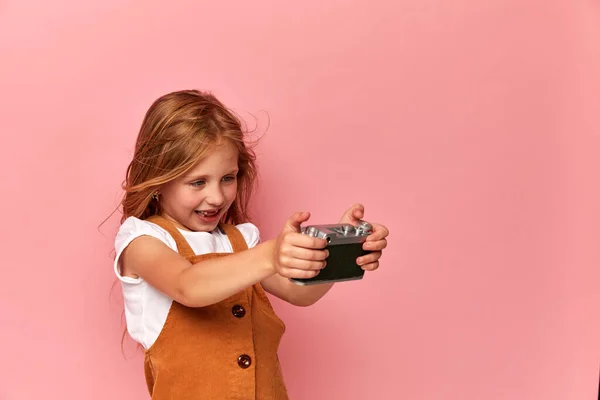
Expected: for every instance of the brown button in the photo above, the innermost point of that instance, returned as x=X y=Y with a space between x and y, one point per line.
x=244 y=361
x=238 y=311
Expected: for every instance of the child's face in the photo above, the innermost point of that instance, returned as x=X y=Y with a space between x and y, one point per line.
x=198 y=200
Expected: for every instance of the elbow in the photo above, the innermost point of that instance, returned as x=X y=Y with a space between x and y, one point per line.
x=184 y=298
x=187 y=295
x=191 y=301
x=303 y=301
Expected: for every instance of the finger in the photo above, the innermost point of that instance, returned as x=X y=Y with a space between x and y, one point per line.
x=358 y=211
x=369 y=258
x=353 y=214
x=307 y=254
x=293 y=224
x=375 y=246
x=371 y=266
x=298 y=273
x=302 y=240
x=379 y=232
x=299 y=264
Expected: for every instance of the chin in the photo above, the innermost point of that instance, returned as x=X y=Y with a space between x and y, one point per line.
x=203 y=226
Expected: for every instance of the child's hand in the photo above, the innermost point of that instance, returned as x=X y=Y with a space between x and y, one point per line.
x=375 y=242
x=298 y=255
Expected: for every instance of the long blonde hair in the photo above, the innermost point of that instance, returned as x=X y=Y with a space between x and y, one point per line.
x=175 y=133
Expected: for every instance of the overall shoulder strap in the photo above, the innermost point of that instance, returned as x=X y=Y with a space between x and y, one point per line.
x=238 y=243
x=183 y=246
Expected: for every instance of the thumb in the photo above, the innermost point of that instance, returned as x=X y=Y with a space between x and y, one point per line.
x=353 y=214
x=294 y=222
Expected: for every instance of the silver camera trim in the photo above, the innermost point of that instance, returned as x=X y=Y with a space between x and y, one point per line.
x=337 y=234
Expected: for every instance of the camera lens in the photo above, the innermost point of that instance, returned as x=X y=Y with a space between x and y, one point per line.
x=364 y=228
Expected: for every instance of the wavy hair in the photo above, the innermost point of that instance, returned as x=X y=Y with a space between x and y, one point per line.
x=176 y=132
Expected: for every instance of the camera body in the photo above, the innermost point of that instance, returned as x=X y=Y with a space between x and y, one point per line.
x=345 y=245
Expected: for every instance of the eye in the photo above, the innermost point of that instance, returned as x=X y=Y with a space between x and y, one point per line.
x=229 y=178
x=197 y=183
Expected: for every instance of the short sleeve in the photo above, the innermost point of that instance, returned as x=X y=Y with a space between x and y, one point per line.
x=250 y=233
x=131 y=229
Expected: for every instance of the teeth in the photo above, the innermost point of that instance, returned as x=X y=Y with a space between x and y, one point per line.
x=207 y=213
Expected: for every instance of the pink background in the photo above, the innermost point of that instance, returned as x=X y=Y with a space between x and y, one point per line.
x=470 y=128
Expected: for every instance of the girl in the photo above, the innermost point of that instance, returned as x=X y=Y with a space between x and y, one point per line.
x=191 y=265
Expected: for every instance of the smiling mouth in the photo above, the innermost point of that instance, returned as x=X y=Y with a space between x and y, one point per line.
x=207 y=214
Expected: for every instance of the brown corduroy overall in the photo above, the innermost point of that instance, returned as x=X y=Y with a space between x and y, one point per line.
x=224 y=351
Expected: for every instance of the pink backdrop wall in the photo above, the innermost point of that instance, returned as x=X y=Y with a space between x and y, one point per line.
x=470 y=128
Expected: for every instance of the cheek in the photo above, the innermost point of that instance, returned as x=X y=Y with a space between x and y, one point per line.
x=176 y=193
x=184 y=197
x=231 y=193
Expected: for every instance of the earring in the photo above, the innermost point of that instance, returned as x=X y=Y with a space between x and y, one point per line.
x=155 y=196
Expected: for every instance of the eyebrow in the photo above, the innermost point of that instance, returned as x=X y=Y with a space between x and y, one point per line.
x=199 y=177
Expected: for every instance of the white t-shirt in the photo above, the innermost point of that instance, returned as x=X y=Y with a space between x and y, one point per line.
x=146 y=308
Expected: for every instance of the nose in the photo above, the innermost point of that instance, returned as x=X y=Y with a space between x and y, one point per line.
x=215 y=196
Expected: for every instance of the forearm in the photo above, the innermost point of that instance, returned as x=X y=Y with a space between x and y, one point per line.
x=215 y=279
x=307 y=295
x=292 y=293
